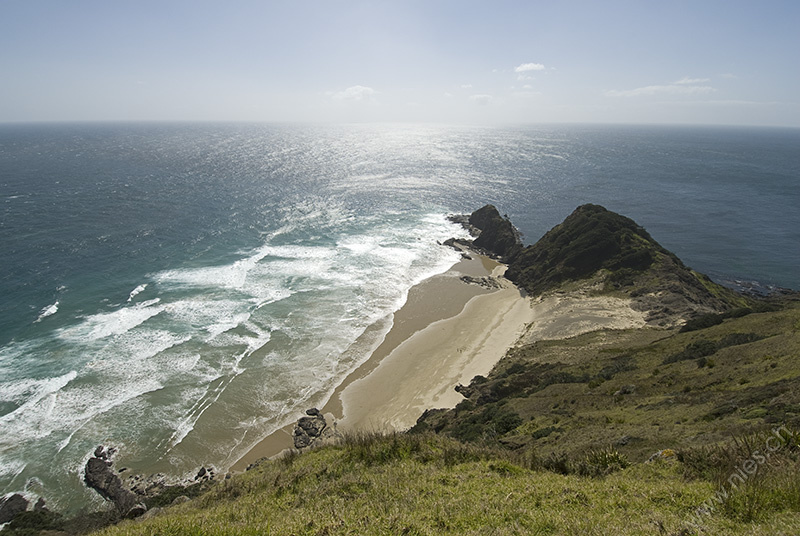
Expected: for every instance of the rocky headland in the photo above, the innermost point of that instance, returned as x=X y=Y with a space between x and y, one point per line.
x=611 y=251
x=631 y=364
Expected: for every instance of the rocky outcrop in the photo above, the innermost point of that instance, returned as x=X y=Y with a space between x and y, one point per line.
x=459 y=244
x=593 y=240
x=313 y=430
x=11 y=506
x=612 y=250
x=99 y=475
x=487 y=282
x=497 y=234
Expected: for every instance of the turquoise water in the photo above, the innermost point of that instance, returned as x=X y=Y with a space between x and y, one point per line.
x=182 y=290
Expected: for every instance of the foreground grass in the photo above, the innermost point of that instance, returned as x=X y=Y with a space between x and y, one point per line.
x=420 y=484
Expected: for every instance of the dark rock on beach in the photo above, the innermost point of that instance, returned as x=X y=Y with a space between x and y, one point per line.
x=458 y=244
x=40 y=505
x=486 y=282
x=204 y=474
x=313 y=430
x=99 y=476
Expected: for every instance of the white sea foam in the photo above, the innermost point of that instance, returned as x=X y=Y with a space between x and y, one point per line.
x=203 y=402
x=136 y=291
x=269 y=295
x=121 y=372
x=213 y=385
x=117 y=322
x=65 y=442
x=128 y=357
x=50 y=310
x=30 y=392
x=255 y=339
x=235 y=275
x=11 y=468
x=186 y=424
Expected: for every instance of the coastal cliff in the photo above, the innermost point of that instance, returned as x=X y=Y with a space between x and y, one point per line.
x=594 y=242
x=612 y=431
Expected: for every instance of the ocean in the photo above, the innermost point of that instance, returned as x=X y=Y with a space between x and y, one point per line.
x=180 y=291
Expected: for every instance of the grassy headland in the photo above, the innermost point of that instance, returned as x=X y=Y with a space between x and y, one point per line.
x=686 y=426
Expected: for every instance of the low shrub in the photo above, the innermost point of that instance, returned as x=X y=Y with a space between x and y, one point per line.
x=602 y=462
x=32 y=522
x=694 y=350
x=702 y=322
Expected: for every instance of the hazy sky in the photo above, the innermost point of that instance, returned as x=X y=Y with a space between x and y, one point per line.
x=700 y=61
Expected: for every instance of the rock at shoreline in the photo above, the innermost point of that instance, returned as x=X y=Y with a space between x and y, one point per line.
x=458 y=244
x=11 y=506
x=495 y=235
x=313 y=430
x=99 y=476
x=498 y=235
x=489 y=283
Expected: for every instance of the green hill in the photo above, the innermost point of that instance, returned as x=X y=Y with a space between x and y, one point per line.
x=638 y=391
x=592 y=241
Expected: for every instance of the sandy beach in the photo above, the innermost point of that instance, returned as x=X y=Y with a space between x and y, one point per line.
x=448 y=332
x=422 y=371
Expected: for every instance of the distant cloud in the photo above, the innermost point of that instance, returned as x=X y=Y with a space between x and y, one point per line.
x=525 y=67
x=731 y=102
x=481 y=100
x=687 y=80
x=355 y=93
x=527 y=93
x=448 y=95
x=685 y=86
x=466 y=86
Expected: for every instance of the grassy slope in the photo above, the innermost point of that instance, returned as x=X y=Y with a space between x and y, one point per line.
x=562 y=396
x=421 y=484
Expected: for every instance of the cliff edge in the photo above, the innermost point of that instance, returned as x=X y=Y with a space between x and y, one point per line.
x=615 y=251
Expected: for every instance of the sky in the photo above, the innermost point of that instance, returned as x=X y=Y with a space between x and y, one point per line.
x=726 y=62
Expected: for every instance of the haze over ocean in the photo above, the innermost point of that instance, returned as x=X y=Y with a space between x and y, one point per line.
x=167 y=287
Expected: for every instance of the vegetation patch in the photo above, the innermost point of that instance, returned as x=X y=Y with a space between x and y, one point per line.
x=32 y=522
x=590 y=239
x=702 y=348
